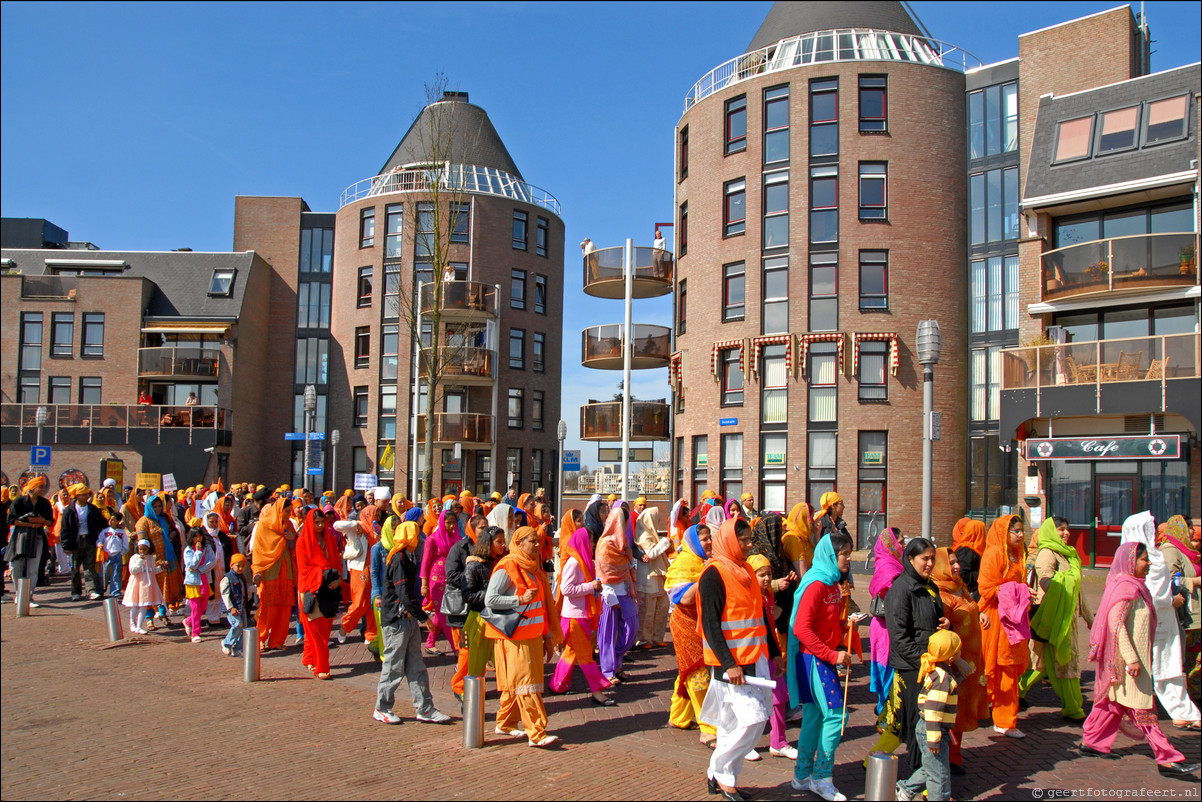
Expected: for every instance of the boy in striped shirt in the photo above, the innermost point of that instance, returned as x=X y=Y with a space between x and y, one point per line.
x=937 y=716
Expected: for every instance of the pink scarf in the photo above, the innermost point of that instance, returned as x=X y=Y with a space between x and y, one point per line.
x=1175 y=532
x=1122 y=588
x=1014 y=602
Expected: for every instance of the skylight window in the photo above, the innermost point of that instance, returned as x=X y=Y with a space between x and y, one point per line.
x=222 y=285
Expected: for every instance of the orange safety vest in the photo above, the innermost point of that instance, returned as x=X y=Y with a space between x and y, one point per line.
x=742 y=622
x=534 y=615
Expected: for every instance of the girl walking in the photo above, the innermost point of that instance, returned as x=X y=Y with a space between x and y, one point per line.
x=142 y=592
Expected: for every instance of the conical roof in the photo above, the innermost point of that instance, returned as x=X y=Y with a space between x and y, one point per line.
x=467 y=135
x=788 y=19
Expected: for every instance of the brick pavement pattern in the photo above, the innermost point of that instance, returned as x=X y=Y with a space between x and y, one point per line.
x=73 y=705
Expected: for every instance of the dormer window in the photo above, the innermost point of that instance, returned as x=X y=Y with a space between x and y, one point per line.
x=1118 y=131
x=1073 y=139
x=1166 y=119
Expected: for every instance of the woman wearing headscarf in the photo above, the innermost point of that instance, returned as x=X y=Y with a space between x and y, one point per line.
x=28 y=517
x=830 y=517
x=1178 y=546
x=693 y=679
x=318 y=577
x=273 y=573
x=968 y=541
x=650 y=572
x=357 y=553
x=519 y=582
x=735 y=645
x=501 y=516
x=343 y=505
x=965 y=617
x=1168 y=664
x=887 y=553
x=678 y=523
x=798 y=541
x=223 y=548
x=767 y=534
x=153 y=526
x=1055 y=605
x=817 y=644
x=595 y=515
x=1006 y=652
x=1120 y=642
x=577 y=600
x=434 y=573
x=455 y=570
x=619 y=622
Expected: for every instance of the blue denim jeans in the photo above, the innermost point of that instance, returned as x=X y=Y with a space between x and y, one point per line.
x=112 y=575
x=233 y=639
x=934 y=774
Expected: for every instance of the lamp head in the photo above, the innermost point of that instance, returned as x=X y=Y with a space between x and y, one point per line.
x=928 y=342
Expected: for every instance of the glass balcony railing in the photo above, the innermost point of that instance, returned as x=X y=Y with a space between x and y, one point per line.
x=458 y=427
x=179 y=362
x=451 y=178
x=460 y=298
x=602 y=420
x=1135 y=359
x=464 y=365
x=110 y=423
x=601 y=347
x=57 y=287
x=605 y=276
x=1121 y=263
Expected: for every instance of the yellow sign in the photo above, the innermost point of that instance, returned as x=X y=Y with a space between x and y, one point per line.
x=149 y=481
x=112 y=469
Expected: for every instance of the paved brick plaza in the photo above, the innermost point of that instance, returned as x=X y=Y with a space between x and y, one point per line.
x=165 y=718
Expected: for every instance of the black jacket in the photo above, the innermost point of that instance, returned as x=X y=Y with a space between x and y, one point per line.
x=456 y=558
x=401 y=595
x=912 y=614
x=475 y=584
x=69 y=531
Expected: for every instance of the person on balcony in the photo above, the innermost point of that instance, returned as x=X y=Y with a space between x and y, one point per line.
x=191 y=400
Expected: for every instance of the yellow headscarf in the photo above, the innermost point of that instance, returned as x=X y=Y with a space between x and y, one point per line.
x=943 y=646
x=758 y=561
x=404 y=538
x=828 y=500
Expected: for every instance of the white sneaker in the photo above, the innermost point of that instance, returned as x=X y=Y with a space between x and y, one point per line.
x=901 y=794
x=225 y=649
x=387 y=717
x=196 y=639
x=94 y=596
x=187 y=628
x=827 y=790
x=435 y=717
x=753 y=756
x=514 y=733
x=341 y=635
x=34 y=605
x=75 y=597
x=802 y=785
x=1013 y=732
x=787 y=751
x=546 y=741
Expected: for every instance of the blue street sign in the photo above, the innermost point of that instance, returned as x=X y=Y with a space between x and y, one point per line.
x=728 y=422
x=571 y=460
x=317 y=435
x=315 y=471
x=294 y=435
x=39 y=456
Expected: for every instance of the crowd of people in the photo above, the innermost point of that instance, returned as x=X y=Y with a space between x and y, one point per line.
x=759 y=605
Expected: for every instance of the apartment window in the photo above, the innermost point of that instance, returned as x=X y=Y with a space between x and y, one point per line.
x=874 y=280
x=520 y=223
x=776 y=125
x=873 y=473
x=993 y=121
x=363 y=287
x=734 y=291
x=359 y=463
x=387 y=430
x=700 y=466
x=874 y=179
x=993 y=481
x=540 y=294
x=316 y=250
x=681 y=306
x=1119 y=130
x=461 y=216
x=984 y=384
x=221 y=285
x=824 y=204
x=732 y=465
x=360 y=407
x=776 y=210
x=31 y=341
x=58 y=390
x=874 y=105
x=62 y=334
x=993 y=206
x=483 y=470
x=423 y=235
x=312 y=360
x=362 y=346
x=683 y=229
x=874 y=357
x=93 y=334
x=824 y=383
x=773 y=471
x=29 y=390
x=775 y=288
x=367 y=228
x=536 y=467
x=824 y=117
x=824 y=292
x=513 y=464
x=392 y=291
x=515 y=407
x=774 y=385
x=517 y=289
x=732 y=378
x=679 y=466
x=541 y=236
x=993 y=291
x=539 y=353
x=390 y=338
x=517 y=348
x=537 y=398
x=312 y=305
x=89 y=390
x=736 y=124
x=684 y=153
x=822 y=465
x=392 y=230
x=734 y=207
x=1166 y=120
x=1073 y=138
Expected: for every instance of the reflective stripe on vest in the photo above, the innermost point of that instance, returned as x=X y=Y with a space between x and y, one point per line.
x=742 y=622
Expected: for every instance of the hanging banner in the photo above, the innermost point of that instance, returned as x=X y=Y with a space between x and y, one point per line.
x=1160 y=446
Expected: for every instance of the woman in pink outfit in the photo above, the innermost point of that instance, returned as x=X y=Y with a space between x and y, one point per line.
x=578 y=598
x=434 y=572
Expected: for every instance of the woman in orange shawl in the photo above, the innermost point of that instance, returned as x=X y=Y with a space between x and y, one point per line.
x=965 y=617
x=968 y=542
x=273 y=573
x=1003 y=562
x=318 y=570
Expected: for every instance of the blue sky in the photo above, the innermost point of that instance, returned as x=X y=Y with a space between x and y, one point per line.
x=135 y=125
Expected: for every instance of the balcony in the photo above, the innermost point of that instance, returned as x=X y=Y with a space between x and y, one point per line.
x=462 y=365
x=601 y=347
x=458 y=427
x=605 y=277
x=1121 y=264
x=58 y=288
x=460 y=299
x=190 y=363
x=109 y=425
x=1135 y=375
x=602 y=420
x=451 y=178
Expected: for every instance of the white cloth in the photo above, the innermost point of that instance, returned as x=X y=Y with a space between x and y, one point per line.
x=1167 y=657
x=1176 y=701
x=739 y=713
x=610 y=594
x=114 y=541
x=81 y=512
x=355 y=551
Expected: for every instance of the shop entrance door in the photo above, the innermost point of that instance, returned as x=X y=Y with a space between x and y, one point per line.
x=1115 y=495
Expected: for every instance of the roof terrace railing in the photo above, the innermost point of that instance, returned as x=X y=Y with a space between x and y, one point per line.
x=451 y=178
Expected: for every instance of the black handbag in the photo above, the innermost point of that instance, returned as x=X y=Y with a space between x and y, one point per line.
x=876 y=607
x=453 y=605
x=505 y=621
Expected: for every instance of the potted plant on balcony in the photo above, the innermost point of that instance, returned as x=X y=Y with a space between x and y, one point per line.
x=1098 y=272
x=1030 y=355
x=1187 y=264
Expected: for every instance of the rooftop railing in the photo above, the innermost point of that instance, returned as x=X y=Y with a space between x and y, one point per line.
x=848 y=44
x=451 y=177
x=1121 y=263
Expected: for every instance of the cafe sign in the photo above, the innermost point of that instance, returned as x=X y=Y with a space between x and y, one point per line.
x=1157 y=446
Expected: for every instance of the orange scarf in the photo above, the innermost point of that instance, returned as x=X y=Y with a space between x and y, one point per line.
x=271 y=540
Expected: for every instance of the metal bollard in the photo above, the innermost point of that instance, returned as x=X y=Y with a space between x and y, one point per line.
x=882 y=776
x=473 y=712
x=112 y=620
x=250 y=654
x=23 y=597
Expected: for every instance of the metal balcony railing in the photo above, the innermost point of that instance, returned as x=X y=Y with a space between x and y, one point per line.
x=605 y=277
x=1121 y=263
x=111 y=423
x=460 y=364
x=180 y=362
x=460 y=297
x=451 y=177
x=1155 y=359
x=458 y=427
x=601 y=347
x=602 y=420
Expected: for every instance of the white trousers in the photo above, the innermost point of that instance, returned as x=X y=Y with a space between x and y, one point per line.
x=726 y=761
x=1171 y=693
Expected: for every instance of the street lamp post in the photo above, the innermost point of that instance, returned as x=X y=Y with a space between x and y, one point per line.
x=563 y=435
x=40 y=417
x=929 y=343
x=335 y=436
x=310 y=407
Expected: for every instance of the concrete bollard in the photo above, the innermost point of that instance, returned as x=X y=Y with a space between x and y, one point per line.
x=473 y=712
x=250 y=654
x=23 y=597
x=112 y=620
x=882 y=776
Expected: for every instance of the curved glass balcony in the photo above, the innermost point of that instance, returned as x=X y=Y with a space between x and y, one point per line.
x=458 y=427
x=1143 y=261
x=601 y=347
x=604 y=276
x=602 y=420
x=460 y=299
x=463 y=365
